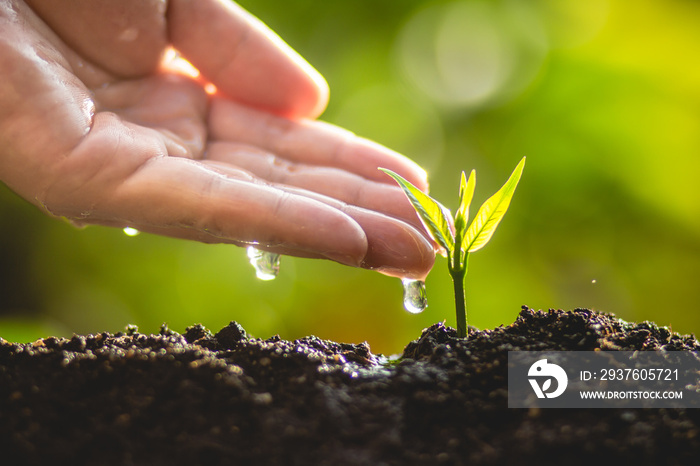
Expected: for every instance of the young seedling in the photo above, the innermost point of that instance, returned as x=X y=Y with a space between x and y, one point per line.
x=463 y=241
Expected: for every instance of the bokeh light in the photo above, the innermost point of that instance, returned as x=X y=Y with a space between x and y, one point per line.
x=470 y=53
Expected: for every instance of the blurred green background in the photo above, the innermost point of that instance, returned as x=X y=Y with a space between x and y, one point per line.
x=602 y=96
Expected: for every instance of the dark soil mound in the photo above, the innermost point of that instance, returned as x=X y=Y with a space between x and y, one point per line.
x=208 y=399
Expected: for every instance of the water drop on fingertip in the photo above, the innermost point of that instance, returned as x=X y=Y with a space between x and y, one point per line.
x=266 y=264
x=414 y=296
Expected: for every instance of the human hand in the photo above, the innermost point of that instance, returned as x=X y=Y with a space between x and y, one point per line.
x=96 y=127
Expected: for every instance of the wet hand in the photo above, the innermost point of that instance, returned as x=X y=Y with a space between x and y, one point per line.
x=97 y=127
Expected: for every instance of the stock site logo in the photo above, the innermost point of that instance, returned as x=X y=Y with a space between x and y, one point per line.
x=545 y=371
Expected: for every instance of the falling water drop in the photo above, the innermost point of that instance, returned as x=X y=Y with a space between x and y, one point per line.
x=414 y=298
x=128 y=231
x=267 y=264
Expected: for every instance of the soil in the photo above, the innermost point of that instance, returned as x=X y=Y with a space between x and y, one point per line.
x=225 y=398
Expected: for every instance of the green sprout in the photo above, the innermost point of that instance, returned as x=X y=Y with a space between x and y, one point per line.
x=458 y=245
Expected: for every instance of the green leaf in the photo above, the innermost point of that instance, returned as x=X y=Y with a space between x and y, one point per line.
x=433 y=214
x=491 y=213
x=466 y=193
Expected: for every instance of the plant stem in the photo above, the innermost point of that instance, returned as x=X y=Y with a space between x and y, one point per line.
x=458 y=271
x=460 y=302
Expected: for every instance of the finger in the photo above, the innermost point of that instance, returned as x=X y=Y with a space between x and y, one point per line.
x=227 y=208
x=244 y=59
x=309 y=142
x=339 y=184
x=395 y=248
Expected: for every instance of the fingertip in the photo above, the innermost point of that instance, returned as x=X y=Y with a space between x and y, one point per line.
x=397 y=249
x=245 y=60
x=312 y=93
x=350 y=259
x=421 y=177
x=414 y=270
x=322 y=93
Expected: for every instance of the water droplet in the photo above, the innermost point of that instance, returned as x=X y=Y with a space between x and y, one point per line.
x=128 y=231
x=414 y=297
x=267 y=264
